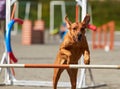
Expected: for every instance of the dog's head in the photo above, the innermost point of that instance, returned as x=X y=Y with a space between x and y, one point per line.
x=77 y=29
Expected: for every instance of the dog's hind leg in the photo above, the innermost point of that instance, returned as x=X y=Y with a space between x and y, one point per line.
x=73 y=77
x=57 y=73
x=56 y=76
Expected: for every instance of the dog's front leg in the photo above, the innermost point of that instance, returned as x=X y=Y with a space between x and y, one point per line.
x=86 y=57
x=86 y=52
x=67 y=53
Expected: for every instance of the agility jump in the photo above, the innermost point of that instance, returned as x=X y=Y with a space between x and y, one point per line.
x=10 y=78
x=59 y=66
x=13 y=58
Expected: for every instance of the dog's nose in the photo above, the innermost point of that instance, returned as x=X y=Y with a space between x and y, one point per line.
x=79 y=37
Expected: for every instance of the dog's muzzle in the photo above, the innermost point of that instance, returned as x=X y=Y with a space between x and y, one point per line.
x=79 y=37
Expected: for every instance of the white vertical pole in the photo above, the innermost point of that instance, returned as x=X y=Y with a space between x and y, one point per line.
x=63 y=10
x=84 y=8
x=51 y=16
x=39 y=12
x=7 y=70
x=2 y=60
x=83 y=71
x=82 y=82
x=27 y=10
x=8 y=9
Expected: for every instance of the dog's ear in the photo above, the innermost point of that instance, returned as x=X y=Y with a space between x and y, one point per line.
x=68 y=23
x=86 y=21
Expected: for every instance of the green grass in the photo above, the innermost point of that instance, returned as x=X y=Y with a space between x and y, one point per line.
x=106 y=11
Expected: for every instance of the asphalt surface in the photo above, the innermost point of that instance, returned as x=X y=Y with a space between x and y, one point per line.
x=46 y=53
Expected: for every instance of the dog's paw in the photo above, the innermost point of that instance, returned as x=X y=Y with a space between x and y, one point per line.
x=86 y=58
x=87 y=62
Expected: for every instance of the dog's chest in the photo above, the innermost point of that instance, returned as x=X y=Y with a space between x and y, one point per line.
x=76 y=49
x=76 y=52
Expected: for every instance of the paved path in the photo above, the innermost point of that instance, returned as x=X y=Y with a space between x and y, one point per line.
x=46 y=54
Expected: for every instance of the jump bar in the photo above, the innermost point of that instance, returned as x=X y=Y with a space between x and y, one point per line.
x=59 y=66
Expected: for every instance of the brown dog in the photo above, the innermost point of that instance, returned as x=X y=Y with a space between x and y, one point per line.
x=71 y=49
